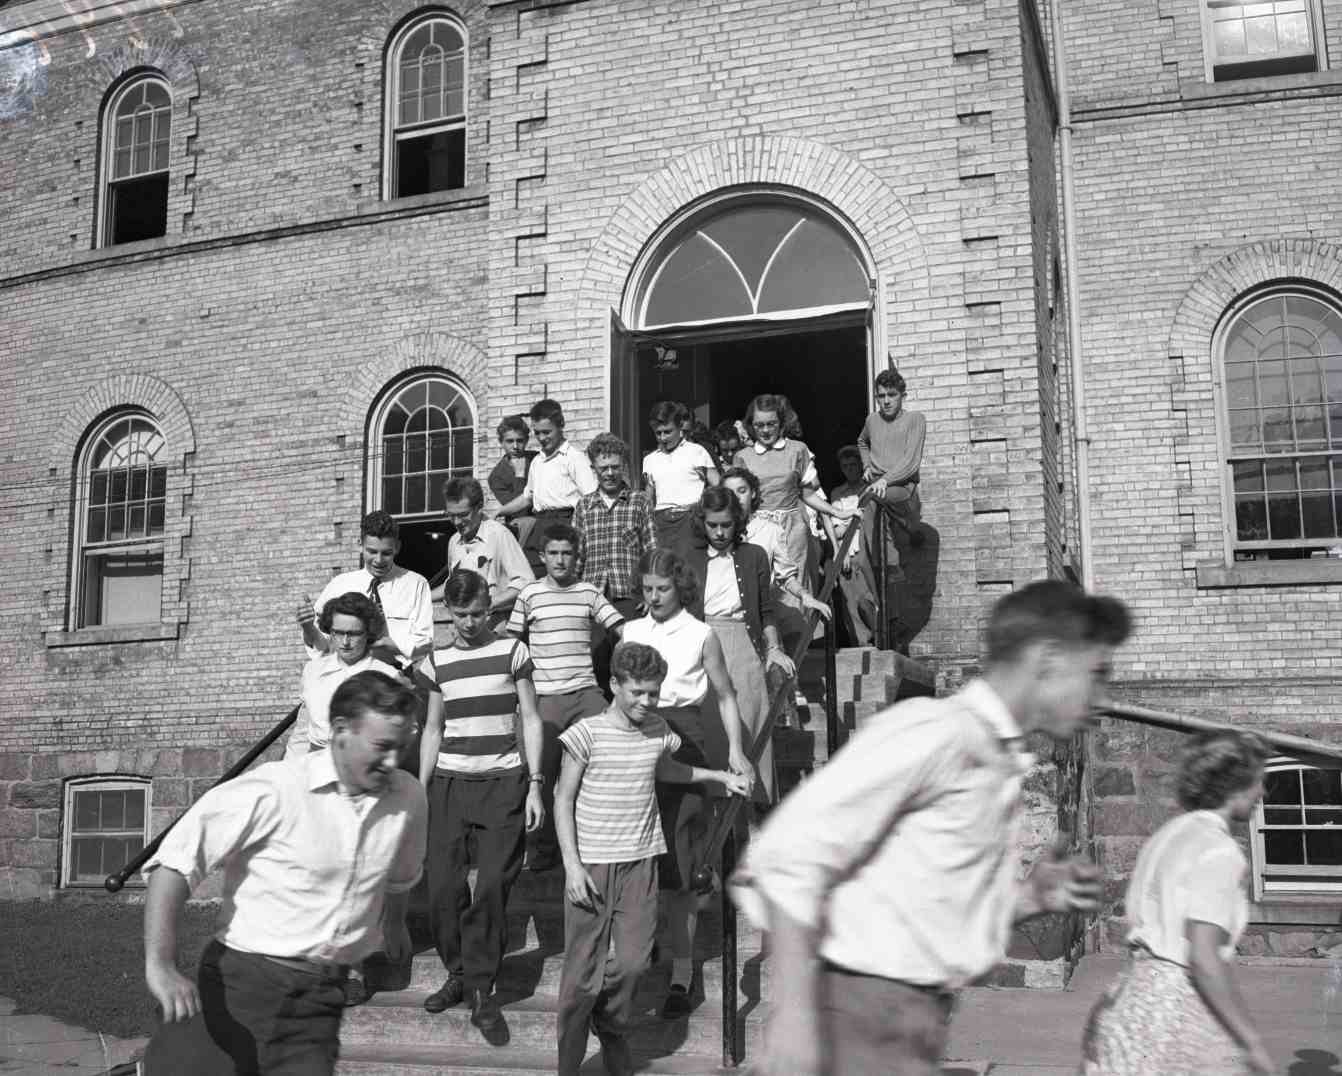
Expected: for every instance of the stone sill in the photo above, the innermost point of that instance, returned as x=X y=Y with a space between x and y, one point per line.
x=1297 y=909
x=1269 y=573
x=120 y=633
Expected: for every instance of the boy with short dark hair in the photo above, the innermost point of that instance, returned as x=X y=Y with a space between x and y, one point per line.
x=556 y=615
x=891 y=446
x=481 y=799
x=611 y=836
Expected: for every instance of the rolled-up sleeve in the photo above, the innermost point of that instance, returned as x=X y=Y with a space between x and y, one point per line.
x=513 y=562
x=225 y=821
x=408 y=865
x=820 y=833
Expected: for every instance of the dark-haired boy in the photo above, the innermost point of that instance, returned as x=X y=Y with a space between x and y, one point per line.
x=481 y=799
x=556 y=616
x=891 y=446
x=484 y=546
x=558 y=479
x=611 y=835
x=913 y=826
x=402 y=597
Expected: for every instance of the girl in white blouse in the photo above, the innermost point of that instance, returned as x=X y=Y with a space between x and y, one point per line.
x=1175 y=1009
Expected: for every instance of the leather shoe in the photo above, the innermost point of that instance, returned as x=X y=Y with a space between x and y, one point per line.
x=447 y=995
x=356 y=992
x=677 y=1003
x=616 y=1056
x=488 y=1017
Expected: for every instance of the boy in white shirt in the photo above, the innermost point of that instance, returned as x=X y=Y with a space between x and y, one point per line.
x=675 y=473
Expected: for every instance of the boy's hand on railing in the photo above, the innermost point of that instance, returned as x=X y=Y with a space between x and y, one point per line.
x=579 y=888
x=817 y=606
x=777 y=657
x=175 y=993
x=738 y=784
x=739 y=764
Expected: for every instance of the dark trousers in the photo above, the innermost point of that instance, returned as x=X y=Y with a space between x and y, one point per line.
x=480 y=820
x=881 y=1027
x=557 y=713
x=603 y=641
x=535 y=539
x=905 y=505
x=597 y=984
x=271 y=1019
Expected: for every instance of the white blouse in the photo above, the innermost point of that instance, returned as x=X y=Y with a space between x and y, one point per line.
x=680 y=640
x=722 y=595
x=1190 y=868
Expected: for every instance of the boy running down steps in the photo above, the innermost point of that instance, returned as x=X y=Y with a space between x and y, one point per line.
x=481 y=799
x=611 y=834
x=555 y=615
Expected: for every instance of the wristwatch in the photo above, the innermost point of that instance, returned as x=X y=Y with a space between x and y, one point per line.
x=536 y=778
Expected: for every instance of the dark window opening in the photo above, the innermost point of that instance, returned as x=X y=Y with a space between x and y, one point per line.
x=137 y=209
x=1282 y=65
x=431 y=162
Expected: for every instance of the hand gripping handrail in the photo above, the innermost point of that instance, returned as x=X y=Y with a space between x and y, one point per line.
x=114 y=882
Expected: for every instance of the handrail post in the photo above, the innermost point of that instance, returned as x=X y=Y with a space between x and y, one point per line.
x=877 y=555
x=831 y=689
x=731 y=1054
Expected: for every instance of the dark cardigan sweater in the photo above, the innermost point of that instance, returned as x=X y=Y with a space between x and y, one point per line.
x=753 y=577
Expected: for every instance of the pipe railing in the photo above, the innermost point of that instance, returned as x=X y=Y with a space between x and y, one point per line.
x=113 y=883
x=721 y=848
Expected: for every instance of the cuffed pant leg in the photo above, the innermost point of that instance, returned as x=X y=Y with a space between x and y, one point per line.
x=497 y=814
x=449 y=889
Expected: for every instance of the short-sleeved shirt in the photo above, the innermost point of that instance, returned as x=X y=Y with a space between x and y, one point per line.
x=680 y=640
x=560 y=479
x=1190 y=868
x=406 y=606
x=677 y=475
x=492 y=553
x=321 y=676
x=479 y=689
x=557 y=622
x=616 y=810
x=784 y=470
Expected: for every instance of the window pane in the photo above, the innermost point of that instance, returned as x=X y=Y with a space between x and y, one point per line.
x=1250 y=519
x=138 y=209
x=1306 y=381
x=122 y=589
x=1310 y=431
x=1324 y=816
x=1293 y=33
x=1240 y=385
x=463 y=450
x=1324 y=849
x=1317 y=514
x=436 y=501
x=391 y=495
x=137 y=521
x=1244 y=430
x=135 y=809
x=118 y=481
x=113 y=809
x=1248 y=476
x=1282 y=786
x=432 y=162
x=1283 y=517
x=158 y=481
x=1283 y=847
x=86 y=811
x=87 y=853
x=1277 y=431
x=1322 y=787
x=116 y=524
x=1282 y=816
x=1272 y=383
x=1280 y=474
x=416 y=451
x=1229 y=38
x=1260 y=36
x=416 y=498
x=97 y=528
x=155 y=527
x=440 y=455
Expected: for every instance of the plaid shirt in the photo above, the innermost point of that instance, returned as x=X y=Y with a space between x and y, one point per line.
x=611 y=540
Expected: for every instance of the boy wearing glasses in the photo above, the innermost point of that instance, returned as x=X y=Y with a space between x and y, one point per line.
x=484 y=546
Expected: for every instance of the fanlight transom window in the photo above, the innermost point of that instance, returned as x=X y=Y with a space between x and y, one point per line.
x=1283 y=375
x=760 y=260
x=427 y=436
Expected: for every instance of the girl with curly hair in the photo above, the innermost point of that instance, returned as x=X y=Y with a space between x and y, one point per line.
x=1175 y=1009
x=696 y=671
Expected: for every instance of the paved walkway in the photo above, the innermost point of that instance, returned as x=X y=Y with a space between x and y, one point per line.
x=1298 y=1006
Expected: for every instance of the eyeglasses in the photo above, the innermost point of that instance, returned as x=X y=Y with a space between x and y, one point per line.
x=350 y=635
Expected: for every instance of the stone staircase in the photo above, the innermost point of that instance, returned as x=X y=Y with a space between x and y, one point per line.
x=393 y=1034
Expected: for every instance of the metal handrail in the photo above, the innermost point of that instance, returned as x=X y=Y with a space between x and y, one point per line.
x=113 y=883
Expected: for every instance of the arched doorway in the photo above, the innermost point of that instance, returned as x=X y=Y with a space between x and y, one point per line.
x=763 y=290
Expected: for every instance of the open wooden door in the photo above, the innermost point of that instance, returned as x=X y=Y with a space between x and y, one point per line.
x=623 y=381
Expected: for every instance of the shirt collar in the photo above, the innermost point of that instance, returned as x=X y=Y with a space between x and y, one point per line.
x=985 y=702
x=562 y=450
x=622 y=496
x=777 y=446
x=1215 y=819
x=321 y=769
x=712 y=552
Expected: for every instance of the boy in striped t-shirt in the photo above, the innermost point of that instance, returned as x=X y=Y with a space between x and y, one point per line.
x=611 y=835
x=556 y=615
x=481 y=800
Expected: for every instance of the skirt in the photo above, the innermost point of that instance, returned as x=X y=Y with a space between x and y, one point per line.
x=746 y=671
x=1152 y=1020
x=684 y=809
x=798 y=543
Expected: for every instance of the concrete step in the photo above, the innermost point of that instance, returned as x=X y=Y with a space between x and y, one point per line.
x=535 y=973
x=399 y=1021
x=359 y=1060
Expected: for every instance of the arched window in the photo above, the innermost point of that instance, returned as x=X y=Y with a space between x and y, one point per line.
x=1282 y=356
x=761 y=259
x=122 y=496
x=426 y=107
x=426 y=434
x=137 y=129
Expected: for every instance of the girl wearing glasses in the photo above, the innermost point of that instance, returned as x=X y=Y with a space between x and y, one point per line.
x=788 y=480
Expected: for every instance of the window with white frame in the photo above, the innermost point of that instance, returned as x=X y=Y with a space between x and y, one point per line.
x=137 y=130
x=1257 y=40
x=1297 y=831
x=426 y=431
x=1282 y=359
x=426 y=108
x=121 y=493
x=106 y=823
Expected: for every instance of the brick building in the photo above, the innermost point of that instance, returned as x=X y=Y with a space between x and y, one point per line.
x=268 y=266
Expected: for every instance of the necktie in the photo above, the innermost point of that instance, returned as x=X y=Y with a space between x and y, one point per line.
x=372 y=593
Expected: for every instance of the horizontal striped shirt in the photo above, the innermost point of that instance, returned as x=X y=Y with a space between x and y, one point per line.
x=479 y=689
x=616 y=811
x=557 y=622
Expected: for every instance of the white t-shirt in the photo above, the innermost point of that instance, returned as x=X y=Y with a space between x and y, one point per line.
x=1191 y=868
x=681 y=641
x=676 y=475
